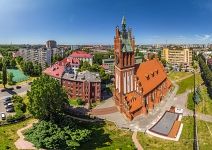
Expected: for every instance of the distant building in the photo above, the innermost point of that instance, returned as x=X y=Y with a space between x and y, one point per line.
x=177 y=55
x=138 y=87
x=51 y=44
x=85 y=85
x=41 y=55
x=109 y=64
x=81 y=56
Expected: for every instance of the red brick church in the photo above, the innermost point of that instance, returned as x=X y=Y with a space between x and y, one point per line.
x=138 y=87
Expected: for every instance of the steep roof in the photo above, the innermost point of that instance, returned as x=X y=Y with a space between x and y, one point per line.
x=150 y=73
x=81 y=54
x=55 y=70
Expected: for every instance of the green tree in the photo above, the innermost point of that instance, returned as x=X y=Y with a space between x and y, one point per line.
x=46 y=98
x=49 y=135
x=4 y=75
x=1 y=64
x=136 y=52
x=13 y=63
x=163 y=61
x=10 y=78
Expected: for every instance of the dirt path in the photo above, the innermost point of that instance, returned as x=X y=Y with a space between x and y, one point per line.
x=21 y=143
x=136 y=142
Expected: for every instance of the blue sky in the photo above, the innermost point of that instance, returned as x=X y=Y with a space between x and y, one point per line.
x=94 y=21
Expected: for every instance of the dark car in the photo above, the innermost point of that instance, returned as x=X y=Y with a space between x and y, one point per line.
x=7 y=99
x=6 y=102
x=10 y=109
x=18 y=87
x=3 y=90
x=30 y=83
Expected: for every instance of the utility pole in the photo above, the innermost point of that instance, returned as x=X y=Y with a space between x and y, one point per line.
x=196 y=144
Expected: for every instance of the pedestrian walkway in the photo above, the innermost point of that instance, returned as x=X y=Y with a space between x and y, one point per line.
x=21 y=143
x=136 y=142
x=104 y=111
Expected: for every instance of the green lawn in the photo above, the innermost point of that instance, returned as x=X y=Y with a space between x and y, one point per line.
x=178 y=75
x=186 y=139
x=188 y=83
x=108 y=137
x=8 y=134
x=205 y=105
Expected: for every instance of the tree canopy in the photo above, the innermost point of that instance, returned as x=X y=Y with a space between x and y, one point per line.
x=46 y=98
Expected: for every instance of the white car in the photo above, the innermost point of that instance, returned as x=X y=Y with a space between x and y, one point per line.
x=9 y=105
x=3 y=116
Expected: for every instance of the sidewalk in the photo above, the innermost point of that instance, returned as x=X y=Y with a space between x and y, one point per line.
x=21 y=143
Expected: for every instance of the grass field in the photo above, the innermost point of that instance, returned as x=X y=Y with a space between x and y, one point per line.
x=108 y=137
x=8 y=134
x=188 y=83
x=178 y=75
x=205 y=105
x=186 y=139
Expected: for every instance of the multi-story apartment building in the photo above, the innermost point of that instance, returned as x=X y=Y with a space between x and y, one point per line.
x=177 y=55
x=41 y=55
x=51 y=44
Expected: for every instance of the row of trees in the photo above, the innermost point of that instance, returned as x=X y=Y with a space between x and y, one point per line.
x=8 y=61
x=206 y=74
x=56 y=130
x=29 y=68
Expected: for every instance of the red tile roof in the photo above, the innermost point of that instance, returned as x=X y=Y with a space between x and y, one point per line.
x=150 y=73
x=135 y=104
x=80 y=54
x=55 y=70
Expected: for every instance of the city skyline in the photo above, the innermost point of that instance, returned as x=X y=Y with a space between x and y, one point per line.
x=93 y=22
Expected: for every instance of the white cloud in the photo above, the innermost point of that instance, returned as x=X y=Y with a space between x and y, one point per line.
x=203 y=37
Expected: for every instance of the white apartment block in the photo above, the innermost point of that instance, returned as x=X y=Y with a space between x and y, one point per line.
x=41 y=55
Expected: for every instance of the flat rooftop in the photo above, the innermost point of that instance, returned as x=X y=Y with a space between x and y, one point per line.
x=165 y=124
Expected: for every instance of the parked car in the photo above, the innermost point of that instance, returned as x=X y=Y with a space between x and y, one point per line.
x=3 y=116
x=3 y=90
x=10 y=109
x=7 y=100
x=30 y=83
x=9 y=105
x=18 y=87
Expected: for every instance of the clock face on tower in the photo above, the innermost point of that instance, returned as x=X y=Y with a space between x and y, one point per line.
x=117 y=59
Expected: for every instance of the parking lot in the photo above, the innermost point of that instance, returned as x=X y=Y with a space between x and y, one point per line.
x=9 y=93
x=2 y=107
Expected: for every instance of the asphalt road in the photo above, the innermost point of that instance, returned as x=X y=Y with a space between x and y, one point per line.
x=23 y=90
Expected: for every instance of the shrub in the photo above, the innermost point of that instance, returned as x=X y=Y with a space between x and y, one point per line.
x=49 y=135
x=80 y=101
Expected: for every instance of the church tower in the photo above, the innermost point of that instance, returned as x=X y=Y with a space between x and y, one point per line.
x=124 y=47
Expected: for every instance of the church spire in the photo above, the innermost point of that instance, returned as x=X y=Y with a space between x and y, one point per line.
x=123 y=23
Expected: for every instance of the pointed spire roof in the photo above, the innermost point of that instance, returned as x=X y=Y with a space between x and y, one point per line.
x=123 y=22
